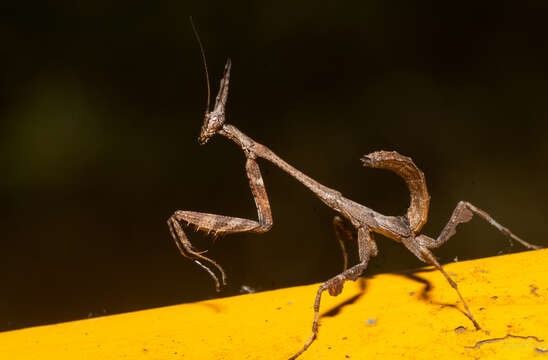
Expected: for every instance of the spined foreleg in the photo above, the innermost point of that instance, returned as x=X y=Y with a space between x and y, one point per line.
x=220 y=225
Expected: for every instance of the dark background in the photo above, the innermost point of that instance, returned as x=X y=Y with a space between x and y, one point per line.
x=101 y=105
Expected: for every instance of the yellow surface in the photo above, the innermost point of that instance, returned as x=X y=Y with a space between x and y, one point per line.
x=394 y=316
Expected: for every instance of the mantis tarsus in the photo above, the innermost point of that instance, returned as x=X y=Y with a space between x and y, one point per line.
x=355 y=221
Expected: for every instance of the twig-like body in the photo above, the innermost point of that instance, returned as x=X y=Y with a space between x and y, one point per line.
x=359 y=222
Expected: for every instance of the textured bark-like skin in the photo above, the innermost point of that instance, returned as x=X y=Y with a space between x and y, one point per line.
x=404 y=229
x=403 y=166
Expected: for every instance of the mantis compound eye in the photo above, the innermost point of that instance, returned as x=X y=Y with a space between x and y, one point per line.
x=213 y=122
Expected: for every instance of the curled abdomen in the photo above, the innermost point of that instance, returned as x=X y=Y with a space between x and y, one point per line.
x=417 y=213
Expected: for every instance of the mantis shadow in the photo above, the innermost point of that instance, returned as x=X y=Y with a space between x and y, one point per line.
x=425 y=292
x=411 y=274
x=337 y=308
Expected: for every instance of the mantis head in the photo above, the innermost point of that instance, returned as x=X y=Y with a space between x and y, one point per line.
x=215 y=119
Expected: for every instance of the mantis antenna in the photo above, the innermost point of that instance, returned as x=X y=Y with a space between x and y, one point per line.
x=204 y=61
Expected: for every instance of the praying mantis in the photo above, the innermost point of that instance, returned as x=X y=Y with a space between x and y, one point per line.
x=354 y=221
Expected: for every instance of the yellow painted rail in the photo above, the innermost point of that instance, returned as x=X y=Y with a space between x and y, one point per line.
x=414 y=315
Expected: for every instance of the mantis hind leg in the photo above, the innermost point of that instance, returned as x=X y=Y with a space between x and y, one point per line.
x=416 y=246
x=464 y=211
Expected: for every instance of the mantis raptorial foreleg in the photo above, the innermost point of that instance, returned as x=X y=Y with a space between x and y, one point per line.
x=220 y=225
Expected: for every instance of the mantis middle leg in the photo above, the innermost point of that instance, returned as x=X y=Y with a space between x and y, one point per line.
x=343 y=231
x=334 y=286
